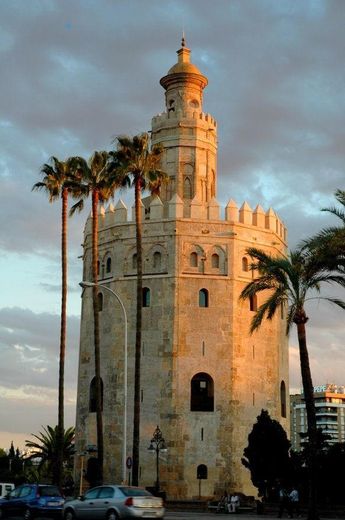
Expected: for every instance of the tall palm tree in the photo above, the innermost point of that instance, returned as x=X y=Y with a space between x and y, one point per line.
x=95 y=180
x=46 y=447
x=140 y=165
x=289 y=282
x=58 y=182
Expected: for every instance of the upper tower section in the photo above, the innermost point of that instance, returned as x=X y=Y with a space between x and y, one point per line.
x=187 y=134
x=184 y=84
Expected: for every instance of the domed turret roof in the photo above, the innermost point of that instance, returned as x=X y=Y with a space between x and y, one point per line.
x=184 y=66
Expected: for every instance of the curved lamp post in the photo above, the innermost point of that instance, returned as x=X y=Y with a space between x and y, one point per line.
x=84 y=285
x=157 y=444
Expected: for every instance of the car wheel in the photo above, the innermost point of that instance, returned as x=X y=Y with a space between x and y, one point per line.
x=112 y=515
x=69 y=514
x=28 y=514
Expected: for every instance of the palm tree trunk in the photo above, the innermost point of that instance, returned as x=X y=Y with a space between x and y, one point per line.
x=136 y=419
x=60 y=431
x=99 y=418
x=308 y=391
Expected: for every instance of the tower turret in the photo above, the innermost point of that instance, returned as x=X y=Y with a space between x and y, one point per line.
x=187 y=134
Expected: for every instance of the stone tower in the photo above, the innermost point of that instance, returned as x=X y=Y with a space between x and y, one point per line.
x=204 y=378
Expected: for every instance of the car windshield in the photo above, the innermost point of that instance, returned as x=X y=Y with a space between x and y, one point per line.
x=135 y=492
x=49 y=491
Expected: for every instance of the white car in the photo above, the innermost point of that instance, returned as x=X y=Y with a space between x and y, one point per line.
x=112 y=503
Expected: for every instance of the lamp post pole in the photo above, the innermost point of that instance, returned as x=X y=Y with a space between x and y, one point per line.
x=157 y=445
x=84 y=285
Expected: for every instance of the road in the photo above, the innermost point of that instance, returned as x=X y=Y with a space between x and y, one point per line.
x=193 y=515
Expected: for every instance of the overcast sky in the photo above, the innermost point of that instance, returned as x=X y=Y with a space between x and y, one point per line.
x=76 y=73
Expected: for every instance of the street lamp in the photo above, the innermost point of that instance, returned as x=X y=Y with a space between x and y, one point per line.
x=157 y=444
x=85 y=285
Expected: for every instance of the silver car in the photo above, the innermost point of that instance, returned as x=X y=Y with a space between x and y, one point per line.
x=114 y=502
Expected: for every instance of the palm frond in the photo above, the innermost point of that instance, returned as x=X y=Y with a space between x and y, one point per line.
x=335 y=301
x=77 y=207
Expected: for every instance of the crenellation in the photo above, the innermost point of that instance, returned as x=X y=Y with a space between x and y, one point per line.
x=213 y=210
x=120 y=212
x=259 y=217
x=246 y=214
x=231 y=211
x=175 y=207
x=270 y=220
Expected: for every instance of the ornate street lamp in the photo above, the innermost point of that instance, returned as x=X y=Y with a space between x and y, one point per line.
x=157 y=445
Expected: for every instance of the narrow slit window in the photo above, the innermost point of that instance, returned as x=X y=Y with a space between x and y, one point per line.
x=203 y=298
x=146 y=297
x=253 y=304
x=93 y=396
x=99 y=302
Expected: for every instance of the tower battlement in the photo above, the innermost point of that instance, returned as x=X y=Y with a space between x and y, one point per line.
x=257 y=218
x=179 y=115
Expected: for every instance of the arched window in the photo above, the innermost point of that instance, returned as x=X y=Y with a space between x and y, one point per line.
x=203 y=298
x=92 y=399
x=99 y=302
x=282 y=399
x=202 y=393
x=157 y=260
x=134 y=261
x=193 y=260
x=253 y=303
x=215 y=261
x=245 y=264
x=201 y=472
x=108 y=265
x=146 y=297
x=187 y=188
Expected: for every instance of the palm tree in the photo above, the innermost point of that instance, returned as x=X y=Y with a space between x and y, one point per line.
x=95 y=180
x=289 y=281
x=329 y=243
x=58 y=182
x=140 y=165
x=46 y=448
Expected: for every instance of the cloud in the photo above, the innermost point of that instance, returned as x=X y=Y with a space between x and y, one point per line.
x=30 y=345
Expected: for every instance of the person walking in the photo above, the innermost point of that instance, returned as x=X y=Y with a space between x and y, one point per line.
x=294 y=500
x=284 y=502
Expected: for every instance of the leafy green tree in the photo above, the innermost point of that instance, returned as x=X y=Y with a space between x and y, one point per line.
x=59 y=182
x=97 y=182
x=45 y=448
x=267 y=454
x=290 y=282
x=140 y=165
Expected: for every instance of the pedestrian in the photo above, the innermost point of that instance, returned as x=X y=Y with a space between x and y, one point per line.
x=294 y=499
x=284 y=502
x=234 y=503
x=222 y=504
